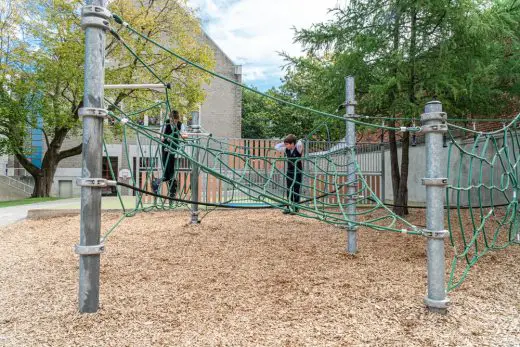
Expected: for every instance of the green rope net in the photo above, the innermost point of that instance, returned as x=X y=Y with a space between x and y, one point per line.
x=482 y=194
x=483 y=176
x=240 y=175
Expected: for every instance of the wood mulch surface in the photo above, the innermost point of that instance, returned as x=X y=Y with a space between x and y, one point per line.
x=244 y=278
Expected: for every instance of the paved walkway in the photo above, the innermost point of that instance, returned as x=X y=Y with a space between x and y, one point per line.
x=9 y=215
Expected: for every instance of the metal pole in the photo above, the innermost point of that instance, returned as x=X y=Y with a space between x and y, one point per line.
x=306 y=168
x=137 y=169
x=516 y=225
x=195 y=125
x=350 y=103
x=434 y=125
x=157 y=87
x=383 y=172
x=95 y=23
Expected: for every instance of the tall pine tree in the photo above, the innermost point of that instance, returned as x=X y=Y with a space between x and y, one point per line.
x=405 y=53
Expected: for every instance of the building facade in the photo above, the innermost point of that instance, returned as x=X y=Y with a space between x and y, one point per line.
x=220 y=114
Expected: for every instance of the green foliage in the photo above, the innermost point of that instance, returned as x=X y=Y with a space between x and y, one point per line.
x=404 y=53
x=171 y=23
x=257 y=116
x=42 y=61
x=265 y=118
x=41 y=67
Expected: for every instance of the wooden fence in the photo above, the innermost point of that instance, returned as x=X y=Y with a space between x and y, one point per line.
x=255 y=163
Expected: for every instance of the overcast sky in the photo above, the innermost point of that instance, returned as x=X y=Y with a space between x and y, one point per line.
x=252 y=32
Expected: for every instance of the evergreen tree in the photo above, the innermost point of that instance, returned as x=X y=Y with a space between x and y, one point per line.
x=405 y=53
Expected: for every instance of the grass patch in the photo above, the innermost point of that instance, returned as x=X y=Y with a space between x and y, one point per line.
x=25 y=201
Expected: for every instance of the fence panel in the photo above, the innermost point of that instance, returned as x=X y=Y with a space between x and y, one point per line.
x=256 y=165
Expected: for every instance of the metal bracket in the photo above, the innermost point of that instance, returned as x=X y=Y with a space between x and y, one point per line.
x=435 y=234
x=441 y=116
x=94 y=182
x=92 y=112
x=194 y=219
x=413 y=129
x=89 y=250
x=437 y=182
x=437 y=303
x=434 y=128
x=95 y=17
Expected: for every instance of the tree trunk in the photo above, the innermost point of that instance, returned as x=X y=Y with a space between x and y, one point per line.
x=397 y=177
x=44 y=176
x=44 y=179
x=394 y=162
x=401 y=199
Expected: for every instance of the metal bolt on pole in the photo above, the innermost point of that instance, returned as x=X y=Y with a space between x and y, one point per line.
x=350 y=104
x=95 y=23
x=195 y=121
x=434 y=126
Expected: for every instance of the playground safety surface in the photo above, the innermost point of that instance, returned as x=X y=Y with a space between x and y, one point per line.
x=245 y=278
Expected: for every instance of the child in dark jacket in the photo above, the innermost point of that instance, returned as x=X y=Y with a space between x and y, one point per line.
x=293 y=151
x=173 y=130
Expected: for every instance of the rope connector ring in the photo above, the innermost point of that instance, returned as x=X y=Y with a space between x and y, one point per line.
x=92 y=112
x=441 y=304
x=89 y=250
x=440 y=234
x=434 y=128
x=93 y=16
x=439 y=116
x=436 y=182
x=94 y=182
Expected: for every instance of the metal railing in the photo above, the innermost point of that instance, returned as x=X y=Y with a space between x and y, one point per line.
x=15 y=171
x=12 y=182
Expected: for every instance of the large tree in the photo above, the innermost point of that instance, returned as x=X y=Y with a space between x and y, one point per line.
x=41 y=65
x=263 y=117
x=405 y=53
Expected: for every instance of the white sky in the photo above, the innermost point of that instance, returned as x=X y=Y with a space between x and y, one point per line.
x=252 y=32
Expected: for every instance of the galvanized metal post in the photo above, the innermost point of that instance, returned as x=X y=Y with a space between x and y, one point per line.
x=383 y=172
x=137 y=169
x=95 y=23
x=195 y=125
x=434 y=126
x=350 y=104
x=306 y=172
x=516 y=225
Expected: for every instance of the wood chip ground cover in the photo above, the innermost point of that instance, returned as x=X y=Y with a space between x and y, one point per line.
x=243 y=279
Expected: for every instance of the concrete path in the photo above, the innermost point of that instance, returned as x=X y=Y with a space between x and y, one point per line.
x=9 y=215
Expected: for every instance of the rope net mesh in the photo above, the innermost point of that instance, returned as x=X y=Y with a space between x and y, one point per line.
x=246 y=176
x=481 y=197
